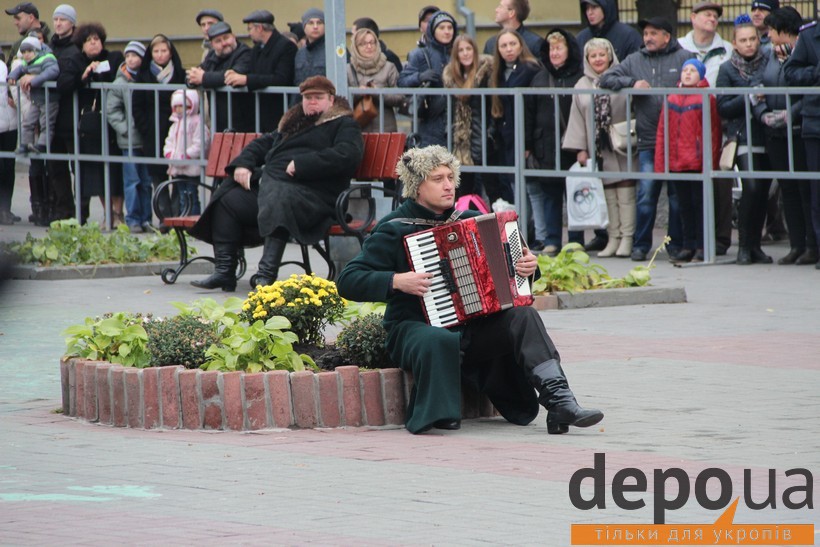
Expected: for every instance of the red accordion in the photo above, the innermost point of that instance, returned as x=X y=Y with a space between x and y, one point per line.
x=473 y=266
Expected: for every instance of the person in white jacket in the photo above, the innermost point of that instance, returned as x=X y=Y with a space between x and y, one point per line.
x=188 y=138
x=8 y=142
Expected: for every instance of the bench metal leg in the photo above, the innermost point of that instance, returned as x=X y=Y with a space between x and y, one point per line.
x=169 y=275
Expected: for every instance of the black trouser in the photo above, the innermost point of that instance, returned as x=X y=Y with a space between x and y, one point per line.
x=235 y=216
x=491 y=344
x=60 y=196
x=796 y=194
x=813 y=162
x=8 y=141
x=753 y=202
x=690 y=202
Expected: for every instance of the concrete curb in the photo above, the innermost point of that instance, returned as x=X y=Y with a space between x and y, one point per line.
x=176 y=398
x=633 y=296
x=104 y=271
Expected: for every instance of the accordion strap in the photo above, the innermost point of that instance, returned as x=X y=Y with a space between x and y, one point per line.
x=426 y=222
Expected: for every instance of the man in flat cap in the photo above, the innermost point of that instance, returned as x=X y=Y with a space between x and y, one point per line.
x=310 y=59
x=26 y=18
x=712 y=50
x=507 y=355
x=206 y=19
x=227 y=54
x=272 y=59
x=283 y=184
x=656 y=65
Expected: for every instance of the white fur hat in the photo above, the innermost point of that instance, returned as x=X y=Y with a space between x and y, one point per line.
x=416 y=164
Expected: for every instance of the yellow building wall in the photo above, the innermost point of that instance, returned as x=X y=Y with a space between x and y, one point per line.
x=141 y=19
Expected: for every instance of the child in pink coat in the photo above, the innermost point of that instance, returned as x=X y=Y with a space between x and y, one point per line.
x=184 y=142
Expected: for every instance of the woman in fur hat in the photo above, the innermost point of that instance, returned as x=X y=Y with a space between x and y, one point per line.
x=468 y=69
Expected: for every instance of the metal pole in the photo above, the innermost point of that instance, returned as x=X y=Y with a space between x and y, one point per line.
x=709 y=244
x=335 y=49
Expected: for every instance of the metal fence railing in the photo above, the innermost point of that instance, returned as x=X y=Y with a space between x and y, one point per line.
x=517 y=170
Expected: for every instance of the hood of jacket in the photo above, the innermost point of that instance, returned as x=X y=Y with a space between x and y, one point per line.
x=575 y=57
x=191 y=102
x=590 y=73
x=295 y=121
x=610 y=17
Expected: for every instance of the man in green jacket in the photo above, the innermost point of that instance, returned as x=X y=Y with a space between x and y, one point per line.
x=504 y=355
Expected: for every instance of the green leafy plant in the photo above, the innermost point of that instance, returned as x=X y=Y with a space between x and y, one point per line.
x=362 y=342
x=180 y=340
x=67 y=242
x=639 y=276
x=570 y=270
x=309 y=303
x=116 y=338
x=354 y=310
x=260 y=346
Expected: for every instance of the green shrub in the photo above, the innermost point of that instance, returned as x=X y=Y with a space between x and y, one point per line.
x=179 y=340
x=116 y=338
x=67 y=242
x=362 y=342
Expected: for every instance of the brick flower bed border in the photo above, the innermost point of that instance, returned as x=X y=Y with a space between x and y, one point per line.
x=176 y=398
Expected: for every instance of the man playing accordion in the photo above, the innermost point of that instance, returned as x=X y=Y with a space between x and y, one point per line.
x=504 y=355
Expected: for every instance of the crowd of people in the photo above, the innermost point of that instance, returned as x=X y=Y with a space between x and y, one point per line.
x=606 y=55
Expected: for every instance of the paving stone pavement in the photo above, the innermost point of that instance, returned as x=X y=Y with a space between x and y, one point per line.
x=729 y=379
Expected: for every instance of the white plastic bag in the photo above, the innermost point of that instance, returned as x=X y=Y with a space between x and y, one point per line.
x=586 y=204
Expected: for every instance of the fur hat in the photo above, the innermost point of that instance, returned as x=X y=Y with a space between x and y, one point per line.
x=416 y=164
x=135 y=47
x=317 y=83
x=67 y=12
x=31 y=44
x=312 y=13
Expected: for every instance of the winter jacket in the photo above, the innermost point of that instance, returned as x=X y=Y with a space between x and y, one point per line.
x=661 y=69
x=803 y=70
x=774 y=76
x=310 y=61
x=686 y=133
x=521 y=76
x=44 y=68
x=119 y=111
x=625 y=39
x=468 y=138
x=732 y=108
x=8 y=113
x=14 y=51
x=242 y=105
x=184 y=141
x=577 y=137
x=435 y=56
x=70 y=59
x=326 y=153
x=533 y=41
x=713 y=55
x=540 y=109
x=271 y=66
x=152 y=107
x=387 y=76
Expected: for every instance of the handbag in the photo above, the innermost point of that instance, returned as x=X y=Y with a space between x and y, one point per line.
x=90 y=125
x=622 y=133
x=365 y=111
x=728 y=155
x=586 y=204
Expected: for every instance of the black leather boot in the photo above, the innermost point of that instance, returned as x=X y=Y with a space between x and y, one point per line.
x=791 y=257
x=556 y=396
x=224 y=276
x=744 y=256
x=272 y=255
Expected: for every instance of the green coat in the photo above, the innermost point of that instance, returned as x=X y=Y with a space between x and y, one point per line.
x=432 y=354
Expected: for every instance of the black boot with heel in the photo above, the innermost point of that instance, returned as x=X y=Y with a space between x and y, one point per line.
x=272 y=255
x=224 y=276
x=556 y=396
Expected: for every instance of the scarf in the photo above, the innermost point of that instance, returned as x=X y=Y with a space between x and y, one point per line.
x=747 y=67
x=163 y=75
x=603 y=119
x=365 y=66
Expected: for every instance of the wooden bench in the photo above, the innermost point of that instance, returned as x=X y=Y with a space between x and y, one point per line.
x=381 y=152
